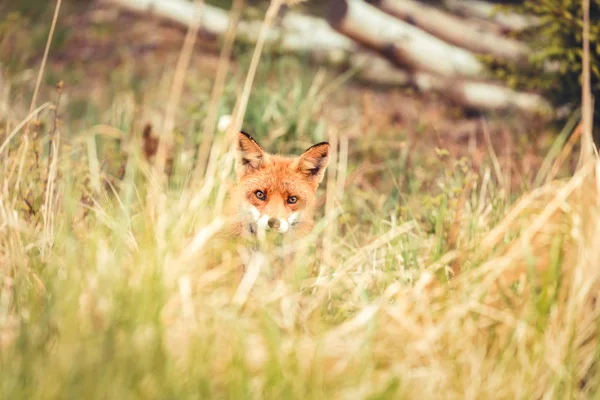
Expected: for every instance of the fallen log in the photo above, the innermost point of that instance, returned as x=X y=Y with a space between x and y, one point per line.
x=402 y=43
x=486 y=11
x=213 y=20
x=480 y=95
x=294 y=32
x=454 y=30
x=303 y=34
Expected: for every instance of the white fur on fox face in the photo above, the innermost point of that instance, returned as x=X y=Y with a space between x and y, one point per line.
x=254 y=213
x=294 y=218
x=263 y=222
x=283 y=226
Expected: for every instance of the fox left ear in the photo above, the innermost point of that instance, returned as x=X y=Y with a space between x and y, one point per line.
x=313 y=162
x=250 y=156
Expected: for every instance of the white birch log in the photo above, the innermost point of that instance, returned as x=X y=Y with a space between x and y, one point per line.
x=485 y=11
x=213 y=20
x=294 y=33
x=299 y=33
x=466 y=93
x=454 y=30
x=402 y=42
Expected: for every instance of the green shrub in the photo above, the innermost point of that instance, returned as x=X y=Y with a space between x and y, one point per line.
x=554 y=64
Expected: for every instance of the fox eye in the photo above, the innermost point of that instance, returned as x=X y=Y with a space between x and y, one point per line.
x=260 y=195
x=292 y=200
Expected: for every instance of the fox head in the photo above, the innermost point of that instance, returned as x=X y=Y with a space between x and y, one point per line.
x=274 y=192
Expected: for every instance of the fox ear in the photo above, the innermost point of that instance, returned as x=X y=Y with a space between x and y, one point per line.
x=313 y=162
x=249 y=156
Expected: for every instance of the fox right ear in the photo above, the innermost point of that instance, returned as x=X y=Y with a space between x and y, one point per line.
x=313 y=162
x=250 y=156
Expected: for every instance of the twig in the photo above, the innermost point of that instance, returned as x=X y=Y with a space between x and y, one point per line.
x=490 y=145
x=242 y=103
x=23 y=123
x=166 y=138
x=44 y=59
x=222 y=71
x=586 y=95
x=59 y=88
x=52 y=171
x=330 y=201
x=565 y=152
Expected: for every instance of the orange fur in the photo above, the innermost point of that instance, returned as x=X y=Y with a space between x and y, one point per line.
x=275 y=192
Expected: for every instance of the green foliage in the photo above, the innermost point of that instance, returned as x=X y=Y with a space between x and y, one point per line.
x=554 y=65
x=24 y=30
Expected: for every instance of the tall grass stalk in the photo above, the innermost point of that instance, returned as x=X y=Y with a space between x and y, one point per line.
x=105 y=295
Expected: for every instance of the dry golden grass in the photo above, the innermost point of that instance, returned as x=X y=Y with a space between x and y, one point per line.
x=120 y=289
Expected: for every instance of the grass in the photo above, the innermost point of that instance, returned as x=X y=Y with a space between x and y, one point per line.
x=426 y=277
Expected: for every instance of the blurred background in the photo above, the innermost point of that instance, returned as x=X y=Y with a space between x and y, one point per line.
x=450 y=122
x=426 y=69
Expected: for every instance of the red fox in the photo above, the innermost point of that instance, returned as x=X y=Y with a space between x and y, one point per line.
x=274 y=192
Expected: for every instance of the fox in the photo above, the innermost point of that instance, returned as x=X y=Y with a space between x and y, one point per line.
x=274 y=192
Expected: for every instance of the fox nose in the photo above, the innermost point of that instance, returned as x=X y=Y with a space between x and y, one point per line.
x=274 y=223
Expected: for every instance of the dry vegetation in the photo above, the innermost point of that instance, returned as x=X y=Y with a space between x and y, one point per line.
x=448 y=261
